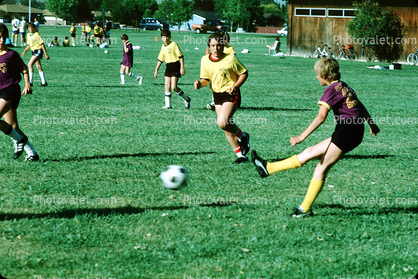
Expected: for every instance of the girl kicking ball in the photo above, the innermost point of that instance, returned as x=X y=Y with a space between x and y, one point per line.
x=12 y=66
x=349 y=114
x=226 y=75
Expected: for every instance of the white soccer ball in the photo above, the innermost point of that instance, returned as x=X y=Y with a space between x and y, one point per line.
x=106 y=51
x=91 y=45
x=174 y=177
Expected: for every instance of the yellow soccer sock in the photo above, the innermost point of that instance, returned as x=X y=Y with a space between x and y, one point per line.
x=314 y=189
x=286 y=164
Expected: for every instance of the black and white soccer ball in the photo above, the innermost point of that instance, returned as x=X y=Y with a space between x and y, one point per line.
x=174 y=177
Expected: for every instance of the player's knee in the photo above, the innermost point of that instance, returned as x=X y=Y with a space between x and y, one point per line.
x=222 y=123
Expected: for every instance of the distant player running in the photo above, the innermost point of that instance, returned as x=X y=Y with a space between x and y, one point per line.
x=36 y=44
x=128 y=61
x=225 y=74
x=172 y=55
x=12 y=66
x=349 y=114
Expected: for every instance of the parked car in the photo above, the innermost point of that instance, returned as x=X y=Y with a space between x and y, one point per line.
x=282 y=32
x=3 y=20
x=212 y=25
x=153 y=24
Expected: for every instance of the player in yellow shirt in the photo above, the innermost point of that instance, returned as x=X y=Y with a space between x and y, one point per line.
x=87 y=30
x=36 y=44
x=225 y=74
x=73 y=34
x=172 y=55
x=98 y=34
x=227 y=50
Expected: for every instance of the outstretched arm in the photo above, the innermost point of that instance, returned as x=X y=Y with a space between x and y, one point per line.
x=319 y=119
x=374 y=130
x=200 y=83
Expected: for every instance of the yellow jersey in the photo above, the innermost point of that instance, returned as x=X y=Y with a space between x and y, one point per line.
x=35 y=41
x=170 y=53
x=87 y=29
x=222 y=74
x=229 y=50
x=98 y=30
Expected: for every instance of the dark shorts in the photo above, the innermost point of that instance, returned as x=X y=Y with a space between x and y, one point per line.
x=221 y=98
x=348 y=136
x=173 y=69
x=38 y=53
x=15 y=31
x=107 y=34
x=72 y=35
x=11 y=93
x=22 y=33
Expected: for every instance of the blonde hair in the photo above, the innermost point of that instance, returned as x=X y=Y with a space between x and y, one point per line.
x=328 y=69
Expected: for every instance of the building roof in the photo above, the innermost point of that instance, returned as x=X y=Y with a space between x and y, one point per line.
x=19 y=9
x=345 y=3
x=206 y=15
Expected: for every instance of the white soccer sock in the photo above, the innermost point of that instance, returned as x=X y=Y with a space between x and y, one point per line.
x=29 y=149
x=122 y=77
x=133 y=75
x=168 y=99
x=42 y=75
x=182 y=95
x=30 y=77
x=15 y=136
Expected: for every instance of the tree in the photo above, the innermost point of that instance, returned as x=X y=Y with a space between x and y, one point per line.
x=380 y=32
x=129 y=11
x=278 y=16
x=175 y=12
x=243 y=12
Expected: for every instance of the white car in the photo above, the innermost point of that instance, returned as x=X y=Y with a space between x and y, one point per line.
x=282 y=32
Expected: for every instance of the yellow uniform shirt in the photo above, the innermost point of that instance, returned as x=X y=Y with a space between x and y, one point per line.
x=170 y=53
x=72 y=30
x=87 y=29
x=222 y=74
x=98 y=30
x=229 y=50
x=35 y=41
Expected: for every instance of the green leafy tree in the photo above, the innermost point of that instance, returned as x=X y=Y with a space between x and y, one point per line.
x=243 y=12
x=175 y=12
x=278 y=15
x=379 y=31
x=129 y=11
x=73 y=10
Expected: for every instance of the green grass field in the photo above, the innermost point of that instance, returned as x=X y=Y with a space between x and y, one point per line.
x=94 y=206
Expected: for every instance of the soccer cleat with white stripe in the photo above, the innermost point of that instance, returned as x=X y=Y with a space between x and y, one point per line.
x=19 y=147
x=260 y=164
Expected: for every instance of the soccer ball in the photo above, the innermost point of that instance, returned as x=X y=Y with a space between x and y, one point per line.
x=174 y=177
x=91 y=45
x=106 y=51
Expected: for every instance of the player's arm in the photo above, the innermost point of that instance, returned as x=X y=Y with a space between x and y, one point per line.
x=156 y=68
x=374 y=130
x=27 y=88
x=24 y=51
x=44 y=49
x=319 y=119
x=241 y=79
x=182 y=71
x=200 y=83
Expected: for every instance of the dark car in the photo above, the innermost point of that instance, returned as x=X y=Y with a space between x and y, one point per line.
x=153 y=24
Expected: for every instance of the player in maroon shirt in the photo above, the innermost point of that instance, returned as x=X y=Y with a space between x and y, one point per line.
x=349 y=114
x=127 y=61
x=11 y=68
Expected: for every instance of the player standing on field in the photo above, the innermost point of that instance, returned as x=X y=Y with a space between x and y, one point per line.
x=128 y=61
x=349 y=114
x=12 y=66
x=73 y=34
x=36 y=44
x=172 y=55
x=225 y=74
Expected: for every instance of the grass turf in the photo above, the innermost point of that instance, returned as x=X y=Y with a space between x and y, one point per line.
x=94 y=206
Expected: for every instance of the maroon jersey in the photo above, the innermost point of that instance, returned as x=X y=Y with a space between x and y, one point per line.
x=342 y=99
x=128 y=55
x=11 y=68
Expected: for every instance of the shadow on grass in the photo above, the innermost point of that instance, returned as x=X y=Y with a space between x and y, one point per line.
x=125 y=156
x=370 y=210
x=366 y=156
x=273 y=108
x=72 y=213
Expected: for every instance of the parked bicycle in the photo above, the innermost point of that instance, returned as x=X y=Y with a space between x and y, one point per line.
x=324 y=52
x=412 y=58
x=344 y=53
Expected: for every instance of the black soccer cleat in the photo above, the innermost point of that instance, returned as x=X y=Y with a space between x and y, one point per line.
x=187 y=103
x=19 y=147
x=260 y=164
x=244 y=143
x=32 y=158
x=298 y=213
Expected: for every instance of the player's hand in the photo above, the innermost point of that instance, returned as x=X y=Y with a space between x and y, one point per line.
x=155 y=74
x=23 y=54
x=27 y=90
x=47 y=57
x=233 y=90
x=295 y=140
x=374 y=130
x=197 y=84
x=182 y=72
